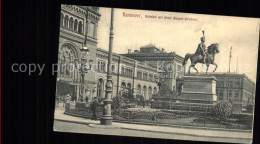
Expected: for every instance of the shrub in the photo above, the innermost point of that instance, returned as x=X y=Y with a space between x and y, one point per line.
x=250 y=109
x=222 y=110
x=118 y=102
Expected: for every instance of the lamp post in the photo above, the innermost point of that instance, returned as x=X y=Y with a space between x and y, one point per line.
x=106 y=118
x=133 y=74
x=83 y=66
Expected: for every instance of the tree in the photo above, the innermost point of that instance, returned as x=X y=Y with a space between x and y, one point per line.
x=222 y=110
x=117 y=102
x=164 y=90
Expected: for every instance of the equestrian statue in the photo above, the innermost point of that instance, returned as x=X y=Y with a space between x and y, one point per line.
x=202 y=55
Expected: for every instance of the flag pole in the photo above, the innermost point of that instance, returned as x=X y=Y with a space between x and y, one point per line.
x=229 y=73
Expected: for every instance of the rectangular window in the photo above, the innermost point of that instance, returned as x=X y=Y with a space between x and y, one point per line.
x=150 y=77
x=230 y=93
x=145 y=76
x=139 y=74
x=179 y=68
x=91 y=29
x=237 y=84
x=220 y=94
x=122 y=70
x=221 y=84
x=155 y=78
x=237 y=94
x=127 y=72
x=230 y=84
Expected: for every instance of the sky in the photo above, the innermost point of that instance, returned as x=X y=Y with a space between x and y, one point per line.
x=183 y=36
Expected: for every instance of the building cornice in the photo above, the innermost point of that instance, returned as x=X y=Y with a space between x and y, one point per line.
x=74 y=9
x=71 y=35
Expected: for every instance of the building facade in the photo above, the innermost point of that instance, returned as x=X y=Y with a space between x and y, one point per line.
x=237 y=88
x=128 y=75
x=233 y=87
x=78 y=25
x=169 y=65
x=78 y=50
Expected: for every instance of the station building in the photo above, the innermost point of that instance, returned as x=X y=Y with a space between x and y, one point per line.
x=169 y=64
x=138 y=71
x=78 y=45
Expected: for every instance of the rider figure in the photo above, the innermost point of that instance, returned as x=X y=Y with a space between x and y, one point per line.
x=202 y=48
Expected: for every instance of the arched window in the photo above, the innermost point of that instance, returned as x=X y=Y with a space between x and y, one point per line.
x=145 y=92
x=139 y=89
x=80 y=28
x=65 y=63
x=76 y=25
x=99 y=66
x=129 y=87
x=155 y=90
x=113 y=68
x=62 y=69
x=61 y=19
x=123 y=88
x=150 y=91
x=100 y=88
x=66 y=59
x=71 y=24
x=66 y=20
x=68 y=65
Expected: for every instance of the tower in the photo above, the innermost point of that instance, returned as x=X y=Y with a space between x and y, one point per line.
x=92 y=17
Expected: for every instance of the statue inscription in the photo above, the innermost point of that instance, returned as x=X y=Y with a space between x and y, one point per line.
x=194 y=86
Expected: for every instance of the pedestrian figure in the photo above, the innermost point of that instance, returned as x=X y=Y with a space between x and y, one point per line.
x=143 y=101
x=151 y=102
x=94 y=107
x=68 y=98
x=139 y=102
x=64 y=100
x=86 y=99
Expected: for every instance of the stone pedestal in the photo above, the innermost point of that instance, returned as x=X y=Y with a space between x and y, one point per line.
x=198 y=89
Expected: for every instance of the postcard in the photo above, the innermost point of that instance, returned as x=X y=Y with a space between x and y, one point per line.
x=155 y=74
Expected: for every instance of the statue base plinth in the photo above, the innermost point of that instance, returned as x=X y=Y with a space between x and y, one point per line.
x=198 y=89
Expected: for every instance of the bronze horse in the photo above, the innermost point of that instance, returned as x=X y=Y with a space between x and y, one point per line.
x=198 y=58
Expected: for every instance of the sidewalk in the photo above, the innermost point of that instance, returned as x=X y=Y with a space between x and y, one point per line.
x=158 y=129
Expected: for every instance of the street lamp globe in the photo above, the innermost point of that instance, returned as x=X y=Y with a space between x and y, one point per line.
x=85 y=49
